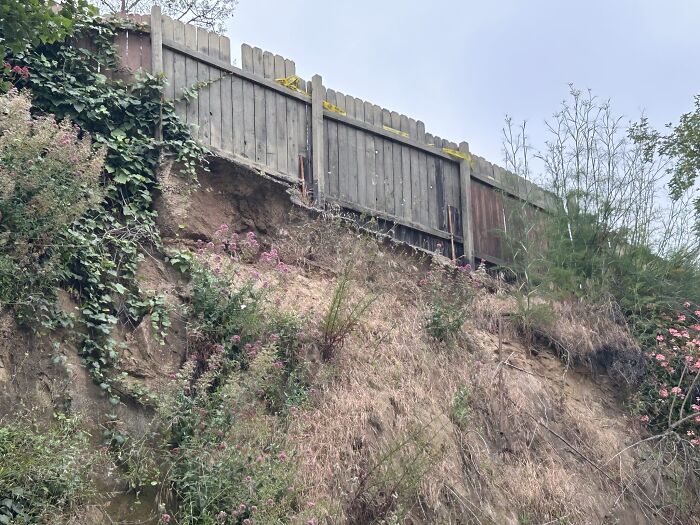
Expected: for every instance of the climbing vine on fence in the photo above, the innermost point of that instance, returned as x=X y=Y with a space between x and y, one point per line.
x=104 y=247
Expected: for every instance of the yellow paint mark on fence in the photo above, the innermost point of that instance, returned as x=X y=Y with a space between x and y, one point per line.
x=334 y=109
x=292 y=82
x=402 y=133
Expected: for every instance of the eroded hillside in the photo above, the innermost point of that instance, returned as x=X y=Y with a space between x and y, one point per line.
x=267 y=401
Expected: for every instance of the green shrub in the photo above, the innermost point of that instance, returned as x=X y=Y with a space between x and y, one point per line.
x=669 y=397
x=460 y=411
x=228 y=460
x=449 y=295
x=44 y=472
x=49 y=177
x=343 y=315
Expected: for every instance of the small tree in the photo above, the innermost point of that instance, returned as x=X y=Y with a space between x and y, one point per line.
x=210 y=14
x=616 y=234
x=682 y=147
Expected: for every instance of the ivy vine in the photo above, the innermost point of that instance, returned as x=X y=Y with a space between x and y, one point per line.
x=105 y=246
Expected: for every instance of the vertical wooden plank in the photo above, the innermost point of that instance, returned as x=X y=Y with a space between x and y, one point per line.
x=121 y=45
x=248 y=95
x=156 y=56
x=226 y=97
x=370 y=153
x=389 y=204
x=292 y=126
x=317 y=126
x=343 y=153
x=423 y=175
x=454 y=179
x=304 y=127
x=440 y=188
x=179 y=79
x=432 y=194
x=238 y=103
x=399 y=203
x=360 y=155
x=281 y=116
x=416 y=197
x=407 y=200
x=215 y=101
x=333 y=146
x=466 y=206
x=260 y=109
x=379 y=160
x=203 y=75
x=146 y=57
x=270 y=110
x=133 y=52
x=168 y=59
x=352 y=151
x=191 y=76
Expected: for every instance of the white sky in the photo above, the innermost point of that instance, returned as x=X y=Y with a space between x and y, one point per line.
x=460 y=67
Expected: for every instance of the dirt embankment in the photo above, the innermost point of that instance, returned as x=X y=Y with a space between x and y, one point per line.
x=480 y=430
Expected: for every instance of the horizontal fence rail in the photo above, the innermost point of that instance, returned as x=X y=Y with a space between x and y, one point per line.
x=372 y=162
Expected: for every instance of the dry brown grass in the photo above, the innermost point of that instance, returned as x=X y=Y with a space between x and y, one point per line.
x=592 y=336
x=381 y=440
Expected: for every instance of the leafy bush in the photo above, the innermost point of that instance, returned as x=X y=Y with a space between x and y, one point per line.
x=31 y=22
x=460 y=411
x=669 y=399
x=44 y=472
x=49 y=176
x=449 y=293
x=228 y=460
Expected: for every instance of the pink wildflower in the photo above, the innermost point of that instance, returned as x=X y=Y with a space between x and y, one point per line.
x=676 y=391
x=644 y=419
x=659 y=337
x=663 y=393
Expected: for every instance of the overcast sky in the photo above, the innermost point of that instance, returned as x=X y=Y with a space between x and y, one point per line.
x=461 y=66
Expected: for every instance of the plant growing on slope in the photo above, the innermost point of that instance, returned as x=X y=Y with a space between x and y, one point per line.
x=449 y=293
x=228 y=458
x=49 y=177
x=670 y=395
x=343 y=315
x=105 y=245
x=44 y=472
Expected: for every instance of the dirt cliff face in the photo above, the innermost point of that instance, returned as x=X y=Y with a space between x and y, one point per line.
x=488 y=428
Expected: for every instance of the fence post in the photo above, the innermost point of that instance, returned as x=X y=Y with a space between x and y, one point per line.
x=157 y=55
x=465 y=176
x=317 y=141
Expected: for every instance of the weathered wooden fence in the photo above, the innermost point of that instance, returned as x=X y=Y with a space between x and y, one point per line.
x=370 y=161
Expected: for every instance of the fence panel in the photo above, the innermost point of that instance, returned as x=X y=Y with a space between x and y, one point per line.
x=375 y=162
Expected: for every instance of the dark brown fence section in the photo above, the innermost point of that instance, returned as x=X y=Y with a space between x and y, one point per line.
x=375 y=164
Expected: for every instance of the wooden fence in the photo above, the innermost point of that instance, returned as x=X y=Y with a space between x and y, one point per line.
x=372 y=162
